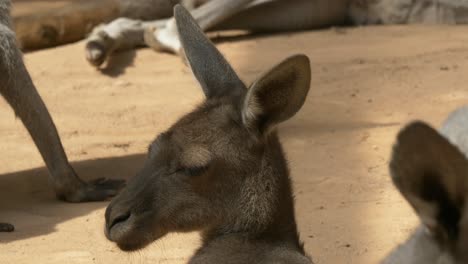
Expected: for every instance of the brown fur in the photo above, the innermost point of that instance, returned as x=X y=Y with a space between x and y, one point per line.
x=430 y=168
x=216 y=170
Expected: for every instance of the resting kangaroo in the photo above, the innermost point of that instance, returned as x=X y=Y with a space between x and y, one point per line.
x=74 y=20
x=431 y=171
x=220 y=169
x=259 y=16
x=19 y=91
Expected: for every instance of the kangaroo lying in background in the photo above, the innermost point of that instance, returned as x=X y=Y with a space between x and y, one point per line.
x=74 y=20
x=254 y=15
x=431 y=171
x=19 y=91
x=259 y=16
x=220 y=169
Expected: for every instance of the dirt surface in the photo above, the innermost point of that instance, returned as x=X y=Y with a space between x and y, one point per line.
x=367 y=83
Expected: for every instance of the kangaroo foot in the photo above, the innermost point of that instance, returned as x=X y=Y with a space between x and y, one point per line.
x=73 y=189
x=99 y=47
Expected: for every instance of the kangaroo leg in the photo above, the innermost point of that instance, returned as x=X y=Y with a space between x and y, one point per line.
x=260 y=15
x=291 y=15
x=120 y=34
x=126 y=32
x=207 y=15
x=19 y=91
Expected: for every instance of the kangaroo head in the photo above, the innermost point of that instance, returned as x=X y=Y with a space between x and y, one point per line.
x=432 y=175
x=195 y=174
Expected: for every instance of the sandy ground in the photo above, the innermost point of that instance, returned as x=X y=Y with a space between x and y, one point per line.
x=367 y=83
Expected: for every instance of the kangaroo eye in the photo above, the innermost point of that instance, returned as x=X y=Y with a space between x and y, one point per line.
x=195 y=171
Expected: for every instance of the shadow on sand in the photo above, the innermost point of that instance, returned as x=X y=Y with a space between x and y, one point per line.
x=118 y=62
x=28 y=202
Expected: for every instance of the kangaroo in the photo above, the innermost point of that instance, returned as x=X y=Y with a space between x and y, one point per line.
x=260 y=16
x=430 y=170
x=219 y=169
x=256 y=15
x=19 y=91
x=73 y=21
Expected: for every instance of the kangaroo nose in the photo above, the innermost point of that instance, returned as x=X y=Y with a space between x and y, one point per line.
x=115 y=216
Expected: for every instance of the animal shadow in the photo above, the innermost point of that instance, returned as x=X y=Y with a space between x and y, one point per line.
x=28 y=201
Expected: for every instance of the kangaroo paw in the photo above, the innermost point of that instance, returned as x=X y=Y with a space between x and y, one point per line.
x=98 y=48
x=77 y=191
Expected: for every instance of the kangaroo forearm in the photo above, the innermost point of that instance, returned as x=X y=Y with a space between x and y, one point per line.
x=41 y=128
x=19 y=91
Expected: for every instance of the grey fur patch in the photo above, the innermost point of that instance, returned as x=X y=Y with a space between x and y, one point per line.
x=419 y=249
x=5 y=12
x=8 y=47
x=258 y=197
x=455 y=128
x=409 y=11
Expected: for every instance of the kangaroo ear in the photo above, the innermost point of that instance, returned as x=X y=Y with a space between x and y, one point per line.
x=213 y=72
x=431 y=173
x=277 y=95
